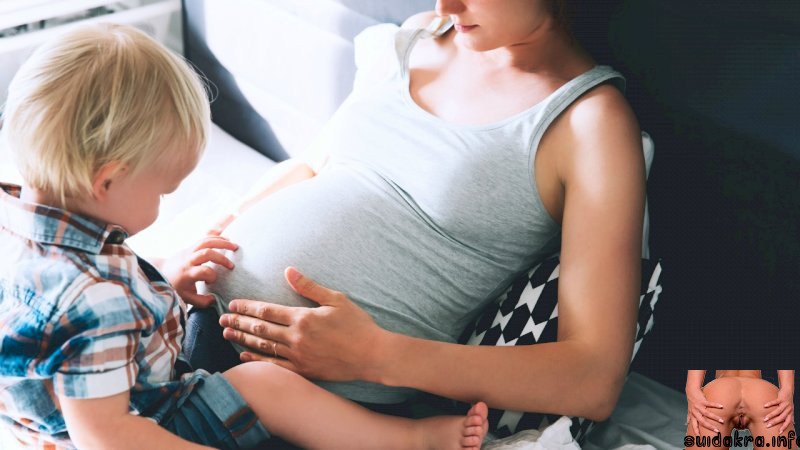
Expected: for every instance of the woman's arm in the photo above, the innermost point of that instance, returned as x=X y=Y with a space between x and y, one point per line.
x=694 y=380
x=279 y=176
x=783 y=414
x=698 y=413
x=283 y=174
x=786 y=380
x=340 y=342
x=582 y=374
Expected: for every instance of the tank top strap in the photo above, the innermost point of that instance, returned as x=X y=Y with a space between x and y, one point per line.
x=564 y=96
x=407 y=38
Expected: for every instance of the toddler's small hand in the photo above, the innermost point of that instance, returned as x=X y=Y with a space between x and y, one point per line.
x=187 y=268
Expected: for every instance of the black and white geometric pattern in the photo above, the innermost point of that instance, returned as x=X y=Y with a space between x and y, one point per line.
x=527 y=313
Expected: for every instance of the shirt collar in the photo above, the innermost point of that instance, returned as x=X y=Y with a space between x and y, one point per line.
x=53 y=226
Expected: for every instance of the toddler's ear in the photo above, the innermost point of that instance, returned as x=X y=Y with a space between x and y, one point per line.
x=105 y=176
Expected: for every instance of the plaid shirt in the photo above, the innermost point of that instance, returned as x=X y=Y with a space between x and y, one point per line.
x=81 y=316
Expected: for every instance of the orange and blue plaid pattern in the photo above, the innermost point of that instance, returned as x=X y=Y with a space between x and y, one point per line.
x=80 y=316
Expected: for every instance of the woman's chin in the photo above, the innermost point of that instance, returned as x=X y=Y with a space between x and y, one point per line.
x=473 y=43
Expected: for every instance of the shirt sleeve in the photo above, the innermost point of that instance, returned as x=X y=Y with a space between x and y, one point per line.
x=102 y=329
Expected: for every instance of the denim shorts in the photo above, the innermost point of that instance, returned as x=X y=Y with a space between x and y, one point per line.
x=214 y=414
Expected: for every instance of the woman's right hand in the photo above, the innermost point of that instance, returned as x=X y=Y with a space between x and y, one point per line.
x=698 y=414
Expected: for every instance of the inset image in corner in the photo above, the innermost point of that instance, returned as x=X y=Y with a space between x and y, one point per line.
x=740 y=409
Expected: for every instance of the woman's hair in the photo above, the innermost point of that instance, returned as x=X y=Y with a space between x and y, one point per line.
x=562 y=13
x=99 y=94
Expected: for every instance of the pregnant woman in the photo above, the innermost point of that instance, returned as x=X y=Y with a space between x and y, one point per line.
x=741 y=399
x=477 y=140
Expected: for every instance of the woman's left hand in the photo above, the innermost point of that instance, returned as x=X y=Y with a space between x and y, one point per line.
x=335 y=342
x=784 y=413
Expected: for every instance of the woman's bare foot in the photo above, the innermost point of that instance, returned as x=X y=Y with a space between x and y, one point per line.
x=456 y=432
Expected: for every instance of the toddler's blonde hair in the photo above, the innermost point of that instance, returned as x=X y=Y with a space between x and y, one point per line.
x=99 y=94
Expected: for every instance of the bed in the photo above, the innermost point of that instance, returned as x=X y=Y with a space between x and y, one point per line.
x=252 y=51
x=258 y=102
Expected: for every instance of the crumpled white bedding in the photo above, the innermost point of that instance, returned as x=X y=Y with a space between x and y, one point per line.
x=648 y=416
x=554 y=437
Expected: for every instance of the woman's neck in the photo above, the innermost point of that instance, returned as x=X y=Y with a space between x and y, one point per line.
x=546 y=50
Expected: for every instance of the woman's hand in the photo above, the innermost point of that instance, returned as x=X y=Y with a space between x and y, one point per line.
x=784 y=413
x=337 y=341
x=187 y=268
x=698 y=414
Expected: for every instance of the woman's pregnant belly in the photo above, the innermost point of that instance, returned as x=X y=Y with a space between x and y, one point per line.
x=315 y=225
x=345 y=230
x=348 y=232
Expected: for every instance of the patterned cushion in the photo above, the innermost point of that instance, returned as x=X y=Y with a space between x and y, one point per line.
x=527 y=314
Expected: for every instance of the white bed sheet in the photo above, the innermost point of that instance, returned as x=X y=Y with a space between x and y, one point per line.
x=648 y=416
x=648 y=413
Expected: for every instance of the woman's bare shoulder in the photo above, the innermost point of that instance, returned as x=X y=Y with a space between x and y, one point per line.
x=598 y=132
x=603 y=107
x=602 y=118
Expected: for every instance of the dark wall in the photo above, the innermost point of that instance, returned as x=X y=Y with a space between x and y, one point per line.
x=717 y=85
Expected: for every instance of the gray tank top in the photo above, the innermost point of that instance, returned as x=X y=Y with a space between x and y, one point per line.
x=418 y=220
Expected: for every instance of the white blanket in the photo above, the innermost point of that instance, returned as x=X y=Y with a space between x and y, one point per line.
x=648 y=416
x=554 y=437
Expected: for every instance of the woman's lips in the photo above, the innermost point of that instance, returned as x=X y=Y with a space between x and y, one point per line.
x=464 y=28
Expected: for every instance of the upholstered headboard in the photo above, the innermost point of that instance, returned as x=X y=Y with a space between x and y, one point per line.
x=280 y=67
